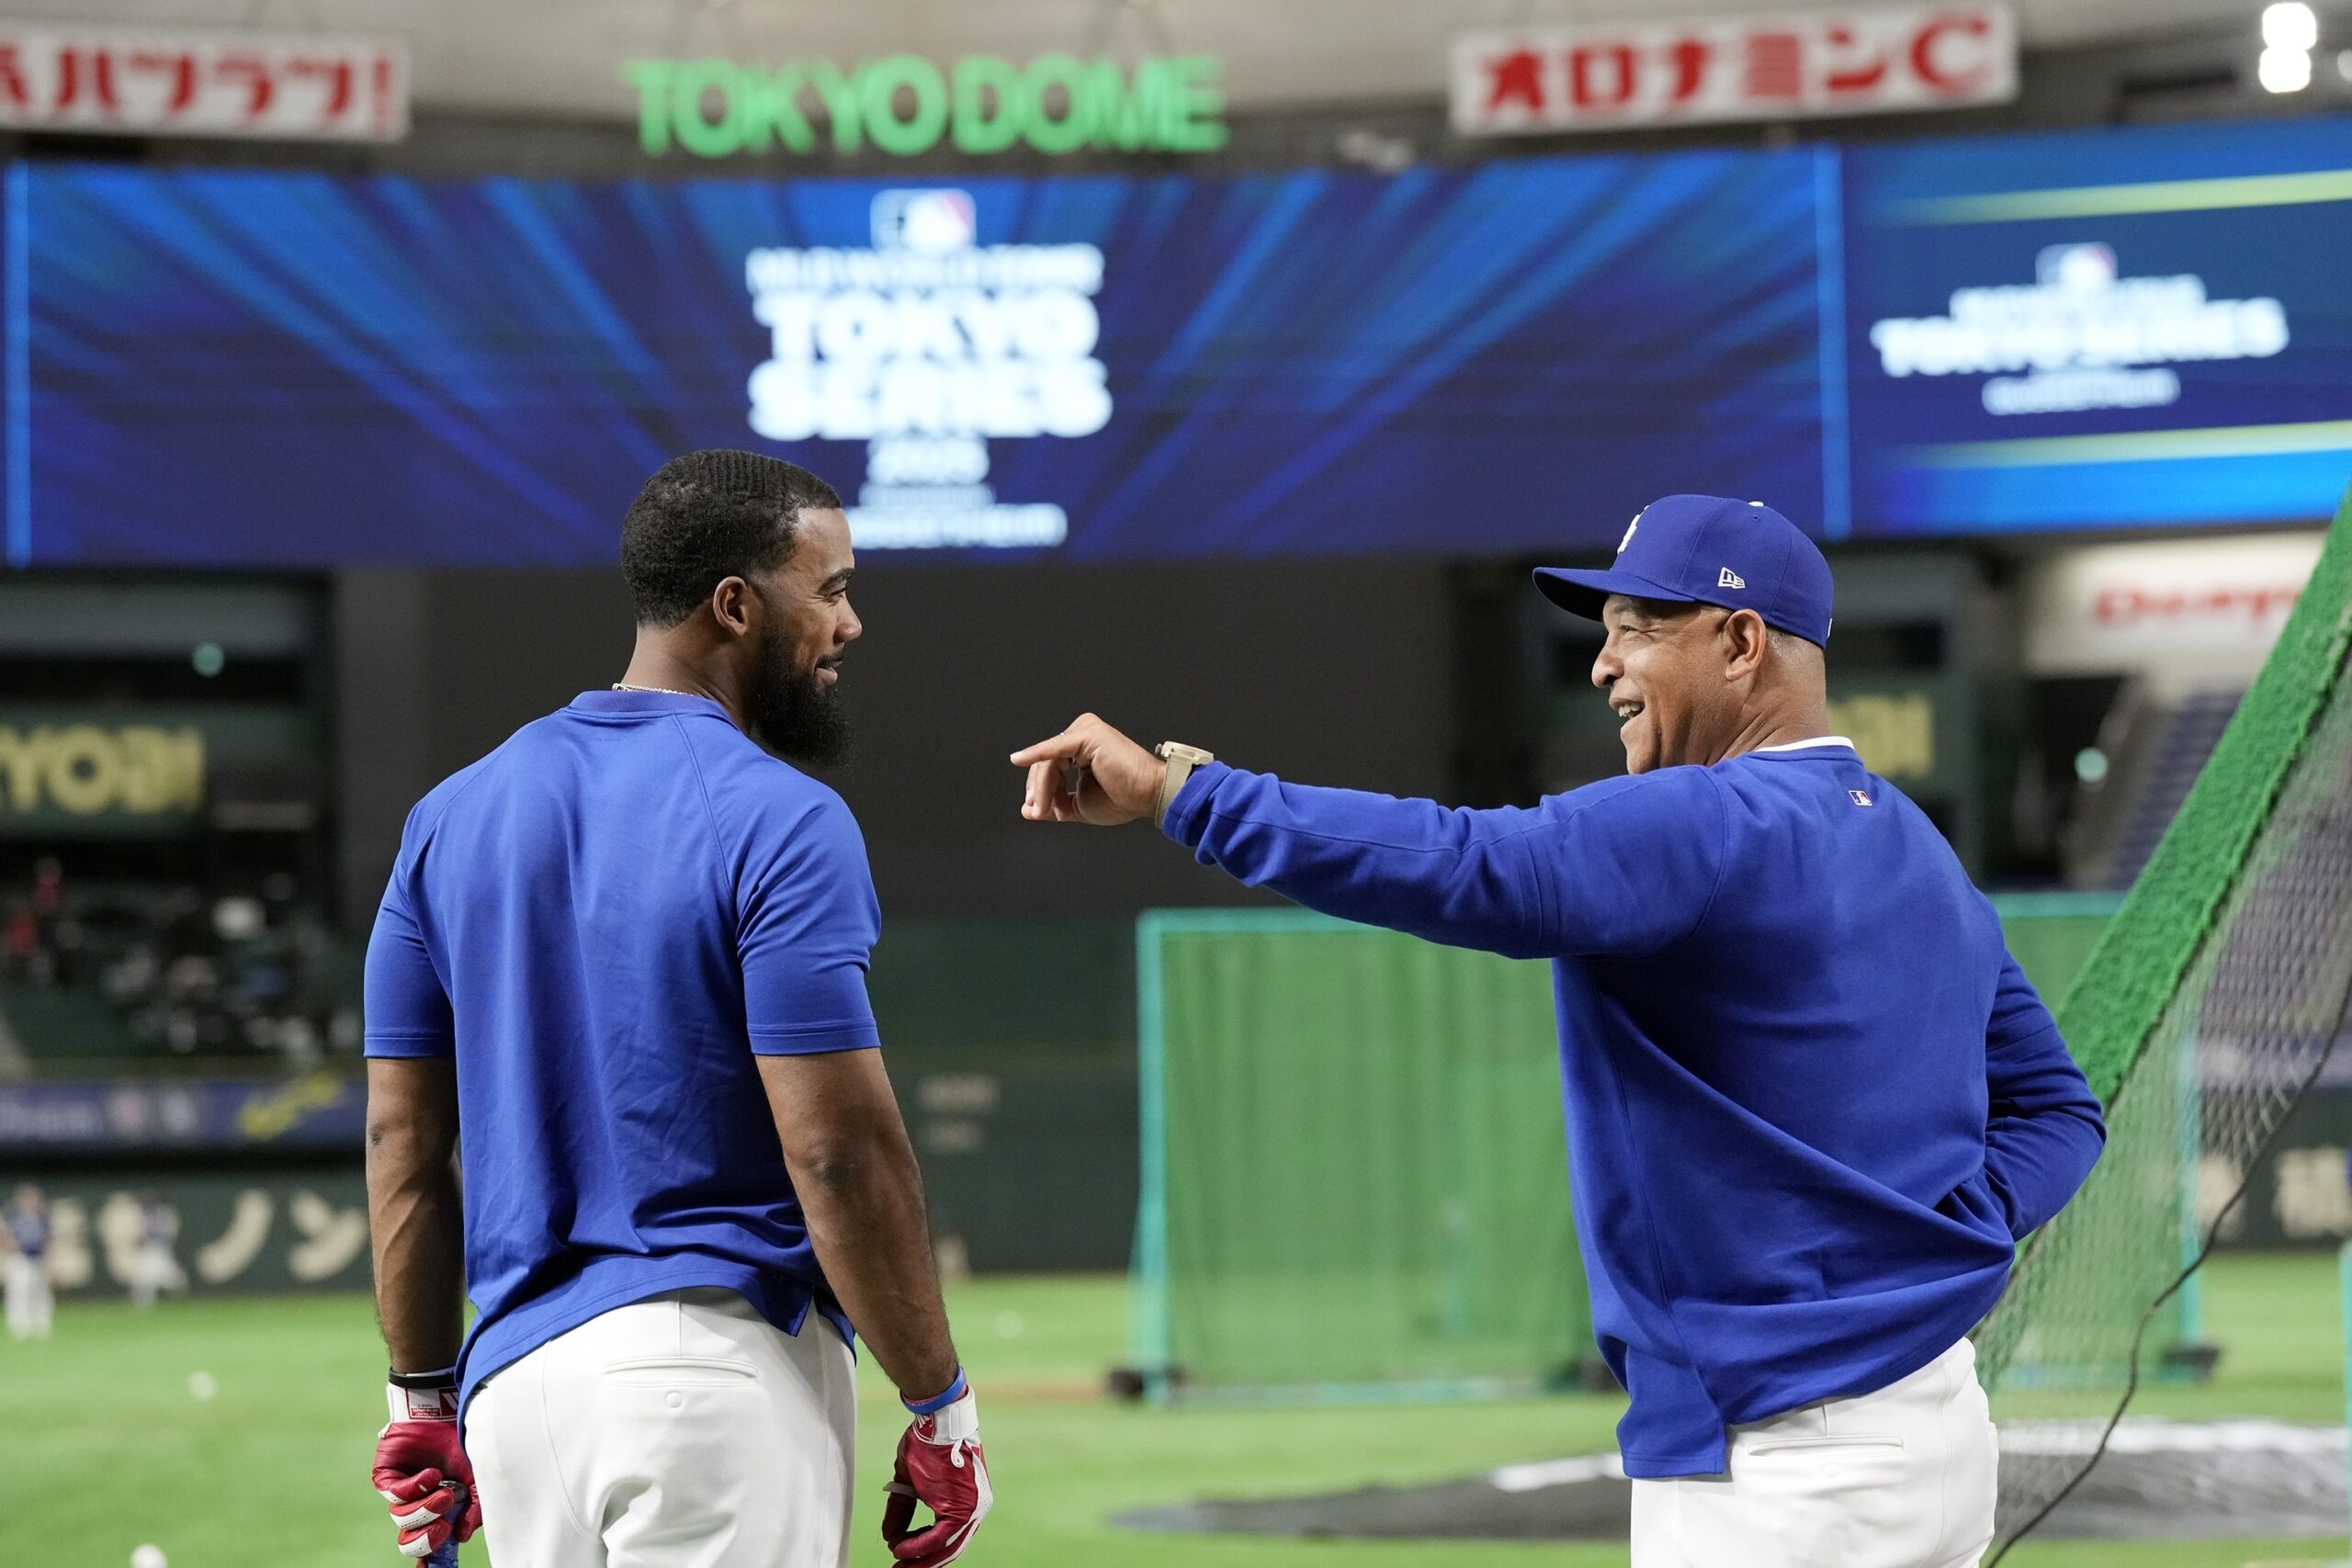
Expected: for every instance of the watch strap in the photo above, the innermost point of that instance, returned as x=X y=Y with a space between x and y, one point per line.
x=1180 y=761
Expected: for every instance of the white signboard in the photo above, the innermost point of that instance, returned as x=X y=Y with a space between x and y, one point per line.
x=2188 y=611
x=2081 y=335
x=182 y=81
x=1599 y=75
x=926 y=347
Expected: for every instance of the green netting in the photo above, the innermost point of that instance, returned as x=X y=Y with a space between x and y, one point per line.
x=1355 y=1178
x=2211 y=1000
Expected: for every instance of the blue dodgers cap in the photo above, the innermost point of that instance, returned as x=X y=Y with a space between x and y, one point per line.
x=1704 y=549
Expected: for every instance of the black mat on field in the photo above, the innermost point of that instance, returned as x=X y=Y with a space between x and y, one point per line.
x=2159 y=1481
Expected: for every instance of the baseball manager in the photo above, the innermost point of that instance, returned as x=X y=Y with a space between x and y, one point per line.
x=1813 y=1103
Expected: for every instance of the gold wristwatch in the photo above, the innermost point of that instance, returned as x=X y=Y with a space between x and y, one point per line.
x=1181 y=760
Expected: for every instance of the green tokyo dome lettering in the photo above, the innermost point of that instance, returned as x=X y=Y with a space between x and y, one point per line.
x=903 y=105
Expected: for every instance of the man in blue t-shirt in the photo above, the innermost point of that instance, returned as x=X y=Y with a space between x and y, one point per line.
x=1813 y=1104
x=620 y=971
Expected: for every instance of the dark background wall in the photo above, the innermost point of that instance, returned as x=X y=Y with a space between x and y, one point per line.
x=1328 y=671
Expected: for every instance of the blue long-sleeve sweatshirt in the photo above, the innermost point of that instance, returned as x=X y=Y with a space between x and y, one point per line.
x=1813 y=1103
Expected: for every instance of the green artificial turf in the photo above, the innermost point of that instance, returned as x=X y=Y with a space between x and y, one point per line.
x=103 y=1445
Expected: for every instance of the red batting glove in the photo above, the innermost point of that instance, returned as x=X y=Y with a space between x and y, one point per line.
x=940 y=1465
x=421 y=1471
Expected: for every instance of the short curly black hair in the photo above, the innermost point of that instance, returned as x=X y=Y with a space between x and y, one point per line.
x=707 y=516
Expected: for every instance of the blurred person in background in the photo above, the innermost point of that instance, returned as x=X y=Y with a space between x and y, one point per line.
x=155 y=1267
x=31 y=1305
x=625 y=953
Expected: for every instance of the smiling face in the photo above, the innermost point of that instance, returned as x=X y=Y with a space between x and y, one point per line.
x=1664 y=668
x=806 y=625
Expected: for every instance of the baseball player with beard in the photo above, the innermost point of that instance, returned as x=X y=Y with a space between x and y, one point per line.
x=619 y=972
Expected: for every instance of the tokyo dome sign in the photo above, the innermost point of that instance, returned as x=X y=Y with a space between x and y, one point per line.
x=905 y=105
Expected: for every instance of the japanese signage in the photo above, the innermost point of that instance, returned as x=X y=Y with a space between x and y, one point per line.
x=1598 y=76
x=187 y=83
x=905 y=105
x=205 y=1234
x=923 y=347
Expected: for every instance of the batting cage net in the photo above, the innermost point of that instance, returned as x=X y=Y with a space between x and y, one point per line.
x=2211 y=1004
x=1354 y=1182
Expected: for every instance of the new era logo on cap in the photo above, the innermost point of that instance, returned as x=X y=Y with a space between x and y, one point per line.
x=1665 y=552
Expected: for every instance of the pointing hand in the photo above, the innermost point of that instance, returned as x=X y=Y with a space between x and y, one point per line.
x=1089 y=772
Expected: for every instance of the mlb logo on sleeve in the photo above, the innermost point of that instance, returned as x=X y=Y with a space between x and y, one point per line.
x=1858 y=797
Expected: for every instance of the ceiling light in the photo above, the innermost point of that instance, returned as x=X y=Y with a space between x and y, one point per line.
x=2290 y=24
x=2283 y=70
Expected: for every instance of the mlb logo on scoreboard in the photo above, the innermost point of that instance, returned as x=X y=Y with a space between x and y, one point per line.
x=1858 y=797
x=926 y=221
x=2082 y=268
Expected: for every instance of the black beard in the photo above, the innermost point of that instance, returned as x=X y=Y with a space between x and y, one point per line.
x=795 y=715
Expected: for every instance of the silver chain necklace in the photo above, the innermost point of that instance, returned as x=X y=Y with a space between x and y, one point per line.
x=665 y=691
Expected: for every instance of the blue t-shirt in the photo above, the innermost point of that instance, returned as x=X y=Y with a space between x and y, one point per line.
x=1813 y=1104
x=605 y=920
x=29 y=1232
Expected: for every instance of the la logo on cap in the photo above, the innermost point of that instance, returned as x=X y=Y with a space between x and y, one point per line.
x=1730 y=578
x=1629 y=531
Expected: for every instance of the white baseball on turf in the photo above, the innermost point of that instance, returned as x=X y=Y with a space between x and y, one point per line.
x=148 y=1556
x=201 y=1385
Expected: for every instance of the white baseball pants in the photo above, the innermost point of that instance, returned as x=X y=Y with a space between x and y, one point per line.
x=681 y=1432
x=31 y=1304
x=1901 y=1478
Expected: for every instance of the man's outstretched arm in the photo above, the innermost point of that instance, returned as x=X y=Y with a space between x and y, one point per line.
x=1484 y=879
